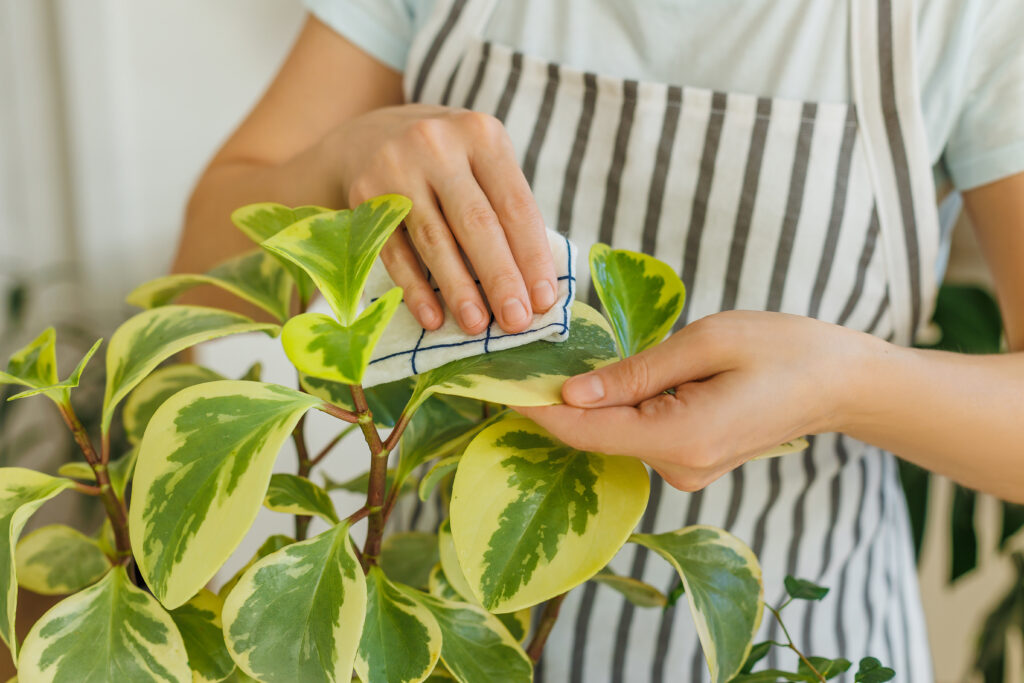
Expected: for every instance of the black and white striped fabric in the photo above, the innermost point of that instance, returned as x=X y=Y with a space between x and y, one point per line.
x=818 y=209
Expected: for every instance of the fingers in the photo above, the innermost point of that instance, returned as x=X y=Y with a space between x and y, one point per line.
x=693 y=353
x=404 y=268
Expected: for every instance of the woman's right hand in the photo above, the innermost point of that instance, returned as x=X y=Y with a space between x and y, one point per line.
x=469 y=196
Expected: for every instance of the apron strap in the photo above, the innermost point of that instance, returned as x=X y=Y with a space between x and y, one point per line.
x=442 y=41
x=887 y=95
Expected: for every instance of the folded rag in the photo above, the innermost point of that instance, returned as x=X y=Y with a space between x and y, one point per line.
x=407 y=349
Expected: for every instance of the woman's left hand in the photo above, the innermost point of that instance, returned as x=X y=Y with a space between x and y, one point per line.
x=744 y=383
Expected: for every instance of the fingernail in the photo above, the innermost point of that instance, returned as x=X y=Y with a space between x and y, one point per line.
x=514 y=312
x=543 y=295
x=471 y=314
x=427 y=316
x=584 y=390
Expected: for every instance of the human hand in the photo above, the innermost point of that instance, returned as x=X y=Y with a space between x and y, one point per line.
x=744 y=383
x=468 y=196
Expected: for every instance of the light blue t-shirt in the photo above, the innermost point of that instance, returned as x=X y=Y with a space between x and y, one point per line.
x=970 y=56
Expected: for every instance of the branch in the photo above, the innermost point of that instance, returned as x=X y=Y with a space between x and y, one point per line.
x=338 y=412
x=791 y=645
x=396 y=433
x=378 y=476
x=299 y=436
x=547 y=622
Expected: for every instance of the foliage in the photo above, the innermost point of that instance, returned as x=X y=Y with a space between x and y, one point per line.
x=530 y=518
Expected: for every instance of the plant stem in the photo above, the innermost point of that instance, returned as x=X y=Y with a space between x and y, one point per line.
x=305 y=465
x=115 y=508
x=547 y=622
x=792 y=646
x=396 y=433
x=378 y=477
x=338 y=412
x=87 y=489
x=330 y=446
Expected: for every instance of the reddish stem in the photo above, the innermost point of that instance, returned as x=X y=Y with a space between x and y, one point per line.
x=547 y=622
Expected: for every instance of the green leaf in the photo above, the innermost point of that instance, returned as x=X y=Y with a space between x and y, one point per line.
x=271 y=545
x=119 y=470
x=386 y=401
x=401 y=640
x=1013 y=521
x=360 y=484
x=199 y=622
x=963 y=536
x=297 y=614
x=111 y=631
x=757 y=653
x=438 y=428
x=204 y=466
x=407 y=557
x=22 y=491
x=254 y=373
x=872 y=671
x=829 y=668
x=295 y=495
x=517 y=623
x=35 y=366
x=475 y=646
x=320 y=347
x=262 y=221
x=256 y=277
x=916 y=488
x=441 y=469
x=338 y=248
x=149 y=338
x=969 y=319
x=642 y=296
x=157 y=388
x=533 y=518
x=58 y=560
x=802 y=589
x=723 y=587
x=528 y=375
x=637 y=592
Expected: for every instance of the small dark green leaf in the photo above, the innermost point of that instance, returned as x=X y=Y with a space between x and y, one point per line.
x=872 y=671
x=802 y=589
x=964 y=540
x=407 y=557
x=829 y=668
x=758 y=652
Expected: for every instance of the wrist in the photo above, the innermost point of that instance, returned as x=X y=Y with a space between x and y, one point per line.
x=868 y=367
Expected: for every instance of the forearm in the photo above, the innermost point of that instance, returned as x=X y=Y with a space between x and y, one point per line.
x=958 y=415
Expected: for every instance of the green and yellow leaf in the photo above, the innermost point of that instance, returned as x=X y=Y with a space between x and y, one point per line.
x=256 y=277
x=58 y=560
x=151 y=337
x=111 y=631
x=295 y=495
x=723 y=586
x=517 y=623
x=271 y=545
x=475 y=645
x=408 y=556
x=338 y=248
x=401 y=639
x=320 y=347
x=528 y=375
x=386 y=401
x=533 y=518
x=297 y=614
x=642 y=296
x=439 y=427
x=436 y=474
x=157 y=388
x=637 y=592
x=199 y=623
x=204 y=466
x=22 y=491
x=119 y=470
x=35 y=366
x=452 y=569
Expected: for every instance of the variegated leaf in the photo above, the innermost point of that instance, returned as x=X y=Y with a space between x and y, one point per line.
x=199 y=623
x=320 y=347
x=723 y=586
x=517 y=623
x=528 y=375
x=637 y=592
x=408 y=556
x=58 y=560
x=453 y=572
x=475 y=646
x=22 y=491
x=157 y=388
x=401 y=640
x=295 y=495
x=111 y=631
x=119 y=470
x=436 y=474
x=439 y=427
x=262 y=221
x=271 y=545
x=642 y=296
x=338 y=248
x=35 y=366
x=149 y=338
x=533 y=518
x=204 y=466
x=297 y=614
x=256 y=277
x=386 y=401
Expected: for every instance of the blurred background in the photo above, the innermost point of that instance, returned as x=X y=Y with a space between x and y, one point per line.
x=109 y=109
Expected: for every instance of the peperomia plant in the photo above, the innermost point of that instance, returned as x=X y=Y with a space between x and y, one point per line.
x=530 y=518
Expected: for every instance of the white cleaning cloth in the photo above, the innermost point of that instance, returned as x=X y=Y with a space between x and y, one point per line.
x=408 y=349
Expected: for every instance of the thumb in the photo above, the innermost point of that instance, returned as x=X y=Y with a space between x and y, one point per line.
x=681 y=358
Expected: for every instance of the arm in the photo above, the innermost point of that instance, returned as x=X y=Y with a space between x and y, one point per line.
x=766 y=378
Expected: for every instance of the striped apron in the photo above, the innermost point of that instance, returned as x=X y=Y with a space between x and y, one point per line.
x=818 y=209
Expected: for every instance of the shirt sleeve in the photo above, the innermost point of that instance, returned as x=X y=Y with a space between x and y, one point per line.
x=986 y=142
x=382 y=28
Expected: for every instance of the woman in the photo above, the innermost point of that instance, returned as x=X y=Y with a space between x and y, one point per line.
x=784 y=157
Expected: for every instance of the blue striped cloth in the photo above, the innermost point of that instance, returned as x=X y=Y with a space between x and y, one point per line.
x=407 y=349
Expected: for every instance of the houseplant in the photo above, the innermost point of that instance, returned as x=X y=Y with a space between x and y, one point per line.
x=530 y=518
